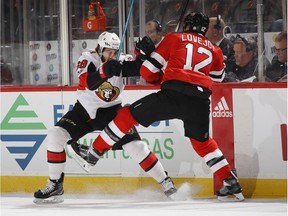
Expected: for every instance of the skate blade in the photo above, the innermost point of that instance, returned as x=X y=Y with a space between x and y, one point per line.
x=50 y=200
x=83 y=164
x=183 y=193
x=232 y=198
x=173 y=197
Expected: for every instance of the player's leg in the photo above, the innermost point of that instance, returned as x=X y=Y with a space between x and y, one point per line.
x=196 y=128
x=137 y=150
x=144 y=111
x=67 y=128
x=56 y=158
x=113 y=132
x=218 y=164
x=148 y=161
x=130 y=142
x=85 y=156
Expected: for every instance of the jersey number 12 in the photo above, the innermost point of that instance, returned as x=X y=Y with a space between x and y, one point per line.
x=189 y=58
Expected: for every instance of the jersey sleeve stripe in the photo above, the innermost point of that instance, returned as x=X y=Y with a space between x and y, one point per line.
x=217 y=76
x=158 y=58
x=154 y=63
x=150 y=66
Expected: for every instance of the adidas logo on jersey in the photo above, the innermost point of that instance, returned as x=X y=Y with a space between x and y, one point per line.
x=222 y=109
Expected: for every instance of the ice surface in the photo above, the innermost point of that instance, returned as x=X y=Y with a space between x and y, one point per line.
x=142 y=203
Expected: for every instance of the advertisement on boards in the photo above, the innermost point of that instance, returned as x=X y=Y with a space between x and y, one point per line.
x=27 y=117
x=251 y=121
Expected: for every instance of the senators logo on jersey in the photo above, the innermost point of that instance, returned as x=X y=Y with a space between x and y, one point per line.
x=107 y=92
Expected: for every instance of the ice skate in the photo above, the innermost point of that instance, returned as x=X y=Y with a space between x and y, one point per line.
x=83 y=155
x=169 y=188
x=52 y=193
x=231 y=189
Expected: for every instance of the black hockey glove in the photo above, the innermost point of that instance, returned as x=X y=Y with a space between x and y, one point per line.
x=110 y=68
x=145 y=46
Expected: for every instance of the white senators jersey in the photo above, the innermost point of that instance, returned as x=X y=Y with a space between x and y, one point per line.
x=107 y=94
x=190 y=58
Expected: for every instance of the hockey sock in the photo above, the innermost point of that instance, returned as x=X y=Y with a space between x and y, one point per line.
x=115 y=130
x=148 y=161
x=213 y=157
x=56 y=164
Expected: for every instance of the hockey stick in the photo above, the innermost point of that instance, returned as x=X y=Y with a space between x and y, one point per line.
x=125 y=28
x=182 y=16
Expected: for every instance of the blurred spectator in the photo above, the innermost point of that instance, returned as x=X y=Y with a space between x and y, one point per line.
x=215 y=34
x=246 y=68
x=6 y=73
x=276 y=26
x=153 y=30
x=278 y=70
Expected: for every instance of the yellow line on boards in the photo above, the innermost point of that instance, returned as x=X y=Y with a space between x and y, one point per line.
x=199 y=187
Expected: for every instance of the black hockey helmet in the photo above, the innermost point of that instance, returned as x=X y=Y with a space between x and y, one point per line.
x=198 y=22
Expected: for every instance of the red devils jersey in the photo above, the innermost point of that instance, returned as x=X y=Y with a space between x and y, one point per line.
x=187 y=57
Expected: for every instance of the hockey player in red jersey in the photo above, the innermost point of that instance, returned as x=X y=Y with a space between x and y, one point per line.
x=193 y=62
x=100 y=84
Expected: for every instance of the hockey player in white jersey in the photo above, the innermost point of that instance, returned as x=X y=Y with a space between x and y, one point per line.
x=98 y=101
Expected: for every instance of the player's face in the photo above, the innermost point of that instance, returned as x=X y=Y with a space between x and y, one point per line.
x=109 y=54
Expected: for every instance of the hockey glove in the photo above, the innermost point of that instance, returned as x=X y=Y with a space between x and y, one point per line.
x=110 y=68
x=145 y=47
x=137 y=46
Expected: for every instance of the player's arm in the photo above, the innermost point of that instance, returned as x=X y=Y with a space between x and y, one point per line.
x=144 y=47
x=94 y=80
x=151 y=68
x=105 y=71
x=131 y=68
x=217 y=72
